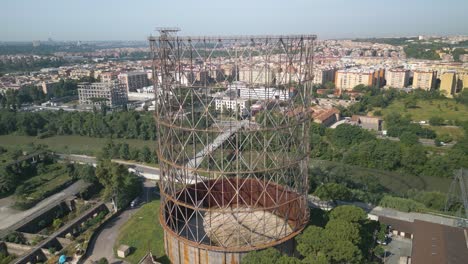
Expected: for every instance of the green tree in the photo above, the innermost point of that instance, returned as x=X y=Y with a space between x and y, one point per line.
x=436 y=121
x=340 y=229
x=410 y=102
x=146 y=154
x=333 y=191
x=348 y=213
x=266 y=256
x=409 y=138
x=345 y=252
x=311 y=241
x=124 y=151
x=346 y=135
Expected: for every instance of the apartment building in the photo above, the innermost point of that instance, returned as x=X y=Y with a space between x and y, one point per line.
x=448 y=84
x=134 y=80
x=258 y=75
x=324 y=75
x=397 y=78
x=349 y=78
x=80 y=73
x=229 y=103
x=424 y=80
x=240 y=89
x=111 y=93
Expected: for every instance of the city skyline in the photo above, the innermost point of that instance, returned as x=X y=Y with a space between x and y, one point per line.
x=86 y=20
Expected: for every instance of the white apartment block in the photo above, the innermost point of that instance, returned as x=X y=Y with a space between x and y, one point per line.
x=261 y=93
x=228 y=103
x=397 y=78
x=111 y=93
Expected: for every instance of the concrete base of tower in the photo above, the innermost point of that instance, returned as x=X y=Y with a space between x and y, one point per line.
x=181 y=252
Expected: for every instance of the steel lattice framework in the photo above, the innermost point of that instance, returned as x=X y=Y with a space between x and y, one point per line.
x=232 y=119
x=458 y=192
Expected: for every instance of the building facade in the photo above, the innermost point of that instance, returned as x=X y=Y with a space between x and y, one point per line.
x=350 y=78
x=448 y=84
x=80 y=73
x=109 y=93
x=228 y=103
x=324 y=75
x=397 y=78
x=134 y=80
x=424 y=80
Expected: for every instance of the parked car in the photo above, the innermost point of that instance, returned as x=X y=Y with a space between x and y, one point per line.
x=135 y=202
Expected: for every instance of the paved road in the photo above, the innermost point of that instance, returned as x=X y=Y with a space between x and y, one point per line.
x=103 y=245
x=148 y=171
x=424 y=141
x=12 y=219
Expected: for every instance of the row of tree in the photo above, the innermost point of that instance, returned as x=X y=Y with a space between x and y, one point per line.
x=124 y=124
x=355 y=146
x=123 y=151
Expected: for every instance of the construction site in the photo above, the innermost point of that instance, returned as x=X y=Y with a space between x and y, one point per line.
x=232 y=120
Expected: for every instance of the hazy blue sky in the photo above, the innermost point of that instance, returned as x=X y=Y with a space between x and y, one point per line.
x=135 y=20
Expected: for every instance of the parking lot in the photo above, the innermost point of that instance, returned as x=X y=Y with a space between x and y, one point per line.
x=396 y=248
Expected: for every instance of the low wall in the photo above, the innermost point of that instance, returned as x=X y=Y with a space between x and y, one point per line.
x=17 y=249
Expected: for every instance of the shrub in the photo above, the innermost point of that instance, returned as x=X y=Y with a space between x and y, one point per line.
x=402 y=204
x=16 y=237
x=333 y=191
x=436 y=121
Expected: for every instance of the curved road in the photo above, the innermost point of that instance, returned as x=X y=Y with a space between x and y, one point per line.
x=103 y=245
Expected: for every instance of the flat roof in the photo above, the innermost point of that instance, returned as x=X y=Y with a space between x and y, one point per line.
x=435 y=243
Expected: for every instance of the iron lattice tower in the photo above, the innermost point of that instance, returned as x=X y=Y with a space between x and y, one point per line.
x=458 y=193
x=232 y=116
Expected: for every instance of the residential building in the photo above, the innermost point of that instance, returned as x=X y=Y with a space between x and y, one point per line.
x=111 y=93
x=463 y=57
x=229 y=103
x=424 y=80
x=462 y=82
x=258 y=75
x=324 y=75
x=397 y=78
x=261 y=93
x=108 y=76
x=349 y=78
x=448 y=83
x=134 y=80
x=80 y=73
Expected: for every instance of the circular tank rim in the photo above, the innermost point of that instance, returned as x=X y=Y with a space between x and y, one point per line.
x=228 y=249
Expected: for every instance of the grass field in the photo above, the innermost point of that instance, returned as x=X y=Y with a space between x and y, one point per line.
x=445 y=108
x=142 y=231
x=396 y=182
x=70 y=144
x=456 y=132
